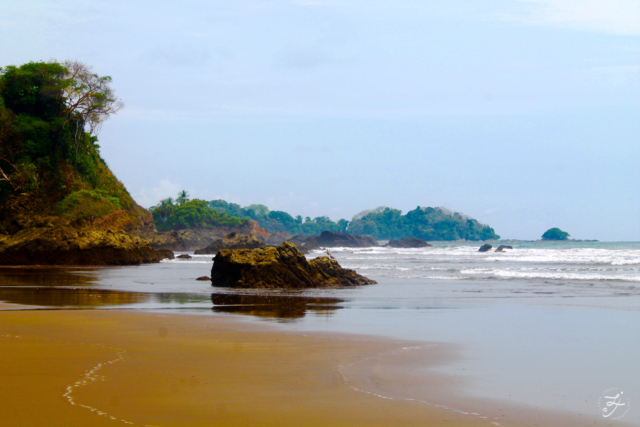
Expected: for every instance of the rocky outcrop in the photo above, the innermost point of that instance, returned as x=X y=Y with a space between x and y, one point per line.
x=29 y=236
x=197 y=238
x=330 y=239
x=57 y=244
x=503 y=247
x=281 y=267
x=184 y=256
x=232 y=241
x=275 y=238
x=408 y=242
x=304 y=243
x=485 y=248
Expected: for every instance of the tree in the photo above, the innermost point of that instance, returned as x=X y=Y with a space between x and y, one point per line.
x=163 y=210
x=183 y=197
x=88 y=96
x=555 y=234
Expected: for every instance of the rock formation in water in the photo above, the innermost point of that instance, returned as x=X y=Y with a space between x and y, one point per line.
x=232 y=241
x=503 y=247
x=304 y=243
x=408 y=242
x=329 y=239
x=196 y=238
x=485 y=248
x=281 y=267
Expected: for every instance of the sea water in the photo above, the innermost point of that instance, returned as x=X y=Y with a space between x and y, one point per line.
x=547 y=324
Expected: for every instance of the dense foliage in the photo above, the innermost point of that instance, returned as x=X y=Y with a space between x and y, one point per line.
x=382 y=223
x=555 y=234
x=48 y=117
x=190 y=214
x=279 y=221
x=424 y=223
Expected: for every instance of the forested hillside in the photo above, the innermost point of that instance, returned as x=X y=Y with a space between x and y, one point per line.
x=382 y=223
x=424 y=223
x=49 y=117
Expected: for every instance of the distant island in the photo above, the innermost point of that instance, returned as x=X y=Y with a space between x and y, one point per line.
x=555 y=234
x=382 y=223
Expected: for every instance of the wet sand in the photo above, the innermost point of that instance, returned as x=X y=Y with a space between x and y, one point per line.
x=101 y=367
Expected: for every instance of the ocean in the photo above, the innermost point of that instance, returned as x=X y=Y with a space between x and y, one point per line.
x=550 y=325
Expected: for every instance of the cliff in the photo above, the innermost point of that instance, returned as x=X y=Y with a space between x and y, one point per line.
x=59 y=202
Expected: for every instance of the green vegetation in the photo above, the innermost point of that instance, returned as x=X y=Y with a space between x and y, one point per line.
x=190 y=214
x=87 y=205
x=555 y=234
x=50 y=114
x=382 y=223
x=279 y=221
x=424 y=223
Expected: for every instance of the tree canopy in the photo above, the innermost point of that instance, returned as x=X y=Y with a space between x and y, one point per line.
x=555 y=234
x=49 y=116
x=381 y=223
x=423 y=222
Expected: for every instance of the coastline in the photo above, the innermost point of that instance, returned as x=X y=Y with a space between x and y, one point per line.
x=95 y=367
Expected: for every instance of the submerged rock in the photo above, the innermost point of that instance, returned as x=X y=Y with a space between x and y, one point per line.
x=408 y=242
x=184 y=256
x=204 y=278
x=283 y=267
x=232 y=241
x=503 y=247
x=330 y=239
x=485 y=248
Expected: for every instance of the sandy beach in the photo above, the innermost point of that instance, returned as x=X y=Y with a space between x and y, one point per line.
x=109 y=367
x=93 y=368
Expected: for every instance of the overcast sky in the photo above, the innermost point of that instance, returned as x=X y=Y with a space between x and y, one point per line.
x=524 y=114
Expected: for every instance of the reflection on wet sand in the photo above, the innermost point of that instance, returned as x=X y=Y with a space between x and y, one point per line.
x=281 y=307
x=47 y=276
x=60 y=297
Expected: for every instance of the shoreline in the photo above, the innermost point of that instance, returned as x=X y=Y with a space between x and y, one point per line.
x=94 y=367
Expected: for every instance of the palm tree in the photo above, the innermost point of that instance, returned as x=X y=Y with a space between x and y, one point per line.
x=183 y=197
x=164 y=209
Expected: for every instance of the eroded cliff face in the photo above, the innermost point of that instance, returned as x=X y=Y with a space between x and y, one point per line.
x=31 y=235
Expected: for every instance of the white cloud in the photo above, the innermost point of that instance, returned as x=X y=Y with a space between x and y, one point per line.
x=165 y=189
x=605 y=16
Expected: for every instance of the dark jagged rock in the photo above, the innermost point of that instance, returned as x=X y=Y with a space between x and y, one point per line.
x=484 y=248
x=503 y=247
x=165 y=253
x=204 y=278
x=232 y=241
x=306 y=244
x=283 y=266
x=408 y=242
x=330 y=239
x=184 y=256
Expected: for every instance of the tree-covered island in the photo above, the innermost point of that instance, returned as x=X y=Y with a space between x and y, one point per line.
x=382 y=223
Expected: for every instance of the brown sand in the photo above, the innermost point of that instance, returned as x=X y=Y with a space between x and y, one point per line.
x=101 y=367
x=169 y=370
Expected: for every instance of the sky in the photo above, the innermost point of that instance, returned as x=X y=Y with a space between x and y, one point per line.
x=523 y=114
